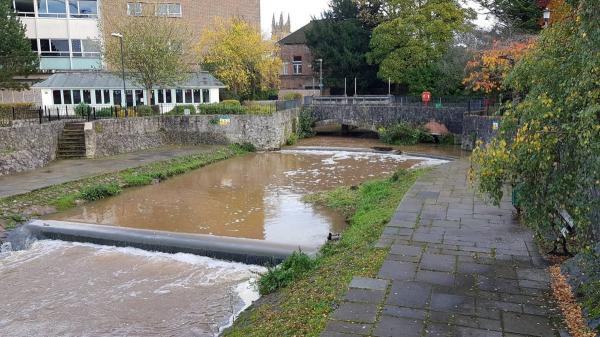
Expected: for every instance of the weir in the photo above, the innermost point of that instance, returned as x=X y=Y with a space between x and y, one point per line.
x=247 y=251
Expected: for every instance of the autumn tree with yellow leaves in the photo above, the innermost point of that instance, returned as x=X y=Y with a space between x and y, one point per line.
x=235 y=52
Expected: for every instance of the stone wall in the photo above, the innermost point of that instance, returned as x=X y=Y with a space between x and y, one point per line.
x=28 y=147
x=117 y=136
x=478 y=128
x=372 y=117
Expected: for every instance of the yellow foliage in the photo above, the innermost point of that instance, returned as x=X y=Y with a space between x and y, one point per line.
x=236 y=53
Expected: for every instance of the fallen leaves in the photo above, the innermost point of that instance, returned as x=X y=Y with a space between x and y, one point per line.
x=571 y=309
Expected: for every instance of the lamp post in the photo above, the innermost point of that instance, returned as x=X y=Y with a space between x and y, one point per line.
x=321 y=76
x=124 y=96
x=547 y=13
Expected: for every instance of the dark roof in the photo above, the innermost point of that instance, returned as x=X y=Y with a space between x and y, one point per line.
x=106 y=80
x=297 y=37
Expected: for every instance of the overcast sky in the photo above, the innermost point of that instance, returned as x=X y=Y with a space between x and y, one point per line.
x=302 y=11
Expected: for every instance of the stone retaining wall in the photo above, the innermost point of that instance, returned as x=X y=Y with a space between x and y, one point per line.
x=28 y=147
x=372 y=117
x=116 y=136
x=478 y=128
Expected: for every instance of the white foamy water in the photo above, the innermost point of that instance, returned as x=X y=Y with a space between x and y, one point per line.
x=66 y=289
x=333 y=157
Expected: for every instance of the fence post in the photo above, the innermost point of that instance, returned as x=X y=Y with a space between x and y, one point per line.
x=88 y=114
x=14 y=114
x=469 y=109
x=40 y=114
x=94 y=112
x=58 y=113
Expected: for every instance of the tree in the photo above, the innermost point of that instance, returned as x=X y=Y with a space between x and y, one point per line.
x=412 y=39
x=549 y=143
x=517 y=16
x=341 y=39
x=16 y=56
x=236 y=53
x=156 y=50
x=488 y=70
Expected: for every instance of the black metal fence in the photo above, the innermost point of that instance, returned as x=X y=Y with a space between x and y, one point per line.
x=14 y=115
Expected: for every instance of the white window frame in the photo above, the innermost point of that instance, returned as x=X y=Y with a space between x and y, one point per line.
x=285 y=70
x=135 y=9
x=168 y=12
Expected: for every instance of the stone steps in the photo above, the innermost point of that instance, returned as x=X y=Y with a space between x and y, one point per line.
x=71 y=143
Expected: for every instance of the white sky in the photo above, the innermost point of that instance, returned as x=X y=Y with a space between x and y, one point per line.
x=301 y=12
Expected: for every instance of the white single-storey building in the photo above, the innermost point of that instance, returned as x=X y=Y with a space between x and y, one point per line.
x=101 y=89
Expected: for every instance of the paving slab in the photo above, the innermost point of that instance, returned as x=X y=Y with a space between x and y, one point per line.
x=456 y=267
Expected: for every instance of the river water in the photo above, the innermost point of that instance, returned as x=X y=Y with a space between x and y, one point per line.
x=70 y=289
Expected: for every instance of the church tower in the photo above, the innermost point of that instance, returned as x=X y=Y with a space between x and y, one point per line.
x=280 y=29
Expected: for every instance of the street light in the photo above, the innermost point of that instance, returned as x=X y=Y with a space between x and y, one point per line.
x=547 y=13
x=124 y=96
x=321 y=76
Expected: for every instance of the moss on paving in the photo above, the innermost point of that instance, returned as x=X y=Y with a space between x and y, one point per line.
x=64 y=196
x=302 y=308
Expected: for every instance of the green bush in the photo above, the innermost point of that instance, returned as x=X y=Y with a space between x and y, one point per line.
x=292 y=139
x=448 y=139
x=8 y=107
x=305 y=124
x=245 y=147
x=180 y=109
x=292 y=268
x=105 y=112
x=400 y=134
x=292 y=96
x=100 y=191
x=82 y=109
x=221 y=109
x=146 y=110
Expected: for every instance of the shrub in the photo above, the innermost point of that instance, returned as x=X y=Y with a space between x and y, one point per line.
x=100 y=191
x=448 y=139
x=246 y=147
x=180 y=109
x=8 y=107
x=145 y=110
x=221 y=109
x=105 y=112
x=292 y=139
x=64 y=203
x=292 y=96
x=292 y=268
x=400 y=134
x=82 y=109
x=305 y=124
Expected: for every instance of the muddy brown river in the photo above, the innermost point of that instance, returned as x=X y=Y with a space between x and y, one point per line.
x=67 y=289
x=257 y=196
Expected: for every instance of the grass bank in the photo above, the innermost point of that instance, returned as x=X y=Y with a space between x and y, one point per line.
x=308 y=290
x=18 y=209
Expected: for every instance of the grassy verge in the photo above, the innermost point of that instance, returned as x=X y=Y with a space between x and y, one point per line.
x=17 y=209
x=309 y=290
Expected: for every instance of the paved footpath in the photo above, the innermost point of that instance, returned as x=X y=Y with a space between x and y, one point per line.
x=63 y=171
x=457 y=267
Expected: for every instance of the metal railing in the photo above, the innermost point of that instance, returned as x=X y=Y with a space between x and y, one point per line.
x=16 y=115
x=471 y=104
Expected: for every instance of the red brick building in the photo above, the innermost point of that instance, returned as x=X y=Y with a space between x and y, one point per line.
x=297 y=74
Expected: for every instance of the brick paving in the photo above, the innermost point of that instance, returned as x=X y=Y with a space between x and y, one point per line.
x=456 y=267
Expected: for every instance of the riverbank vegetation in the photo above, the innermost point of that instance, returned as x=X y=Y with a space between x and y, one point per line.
x=303 y=291
x=18 y=209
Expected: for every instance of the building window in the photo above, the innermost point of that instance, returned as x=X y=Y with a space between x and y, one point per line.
x=134 y=8
x=52 y=8
x=188 y=96
x=87 y=8
x=56 y=95
x=106 y=94
x=139 y=97
x=34 y=45
x=85 y=48
x=87 y=97
x=197 y=96
x=285 y=68
x=76 y=96
x=98 y=96
x=117 y=97
x=24 y=7
x=67 y=97
x=161 y=96
x=297 y=65
x=168 y=96
x=205 y=96
x=178 y=96
x=51 y=47
x=172 y=10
